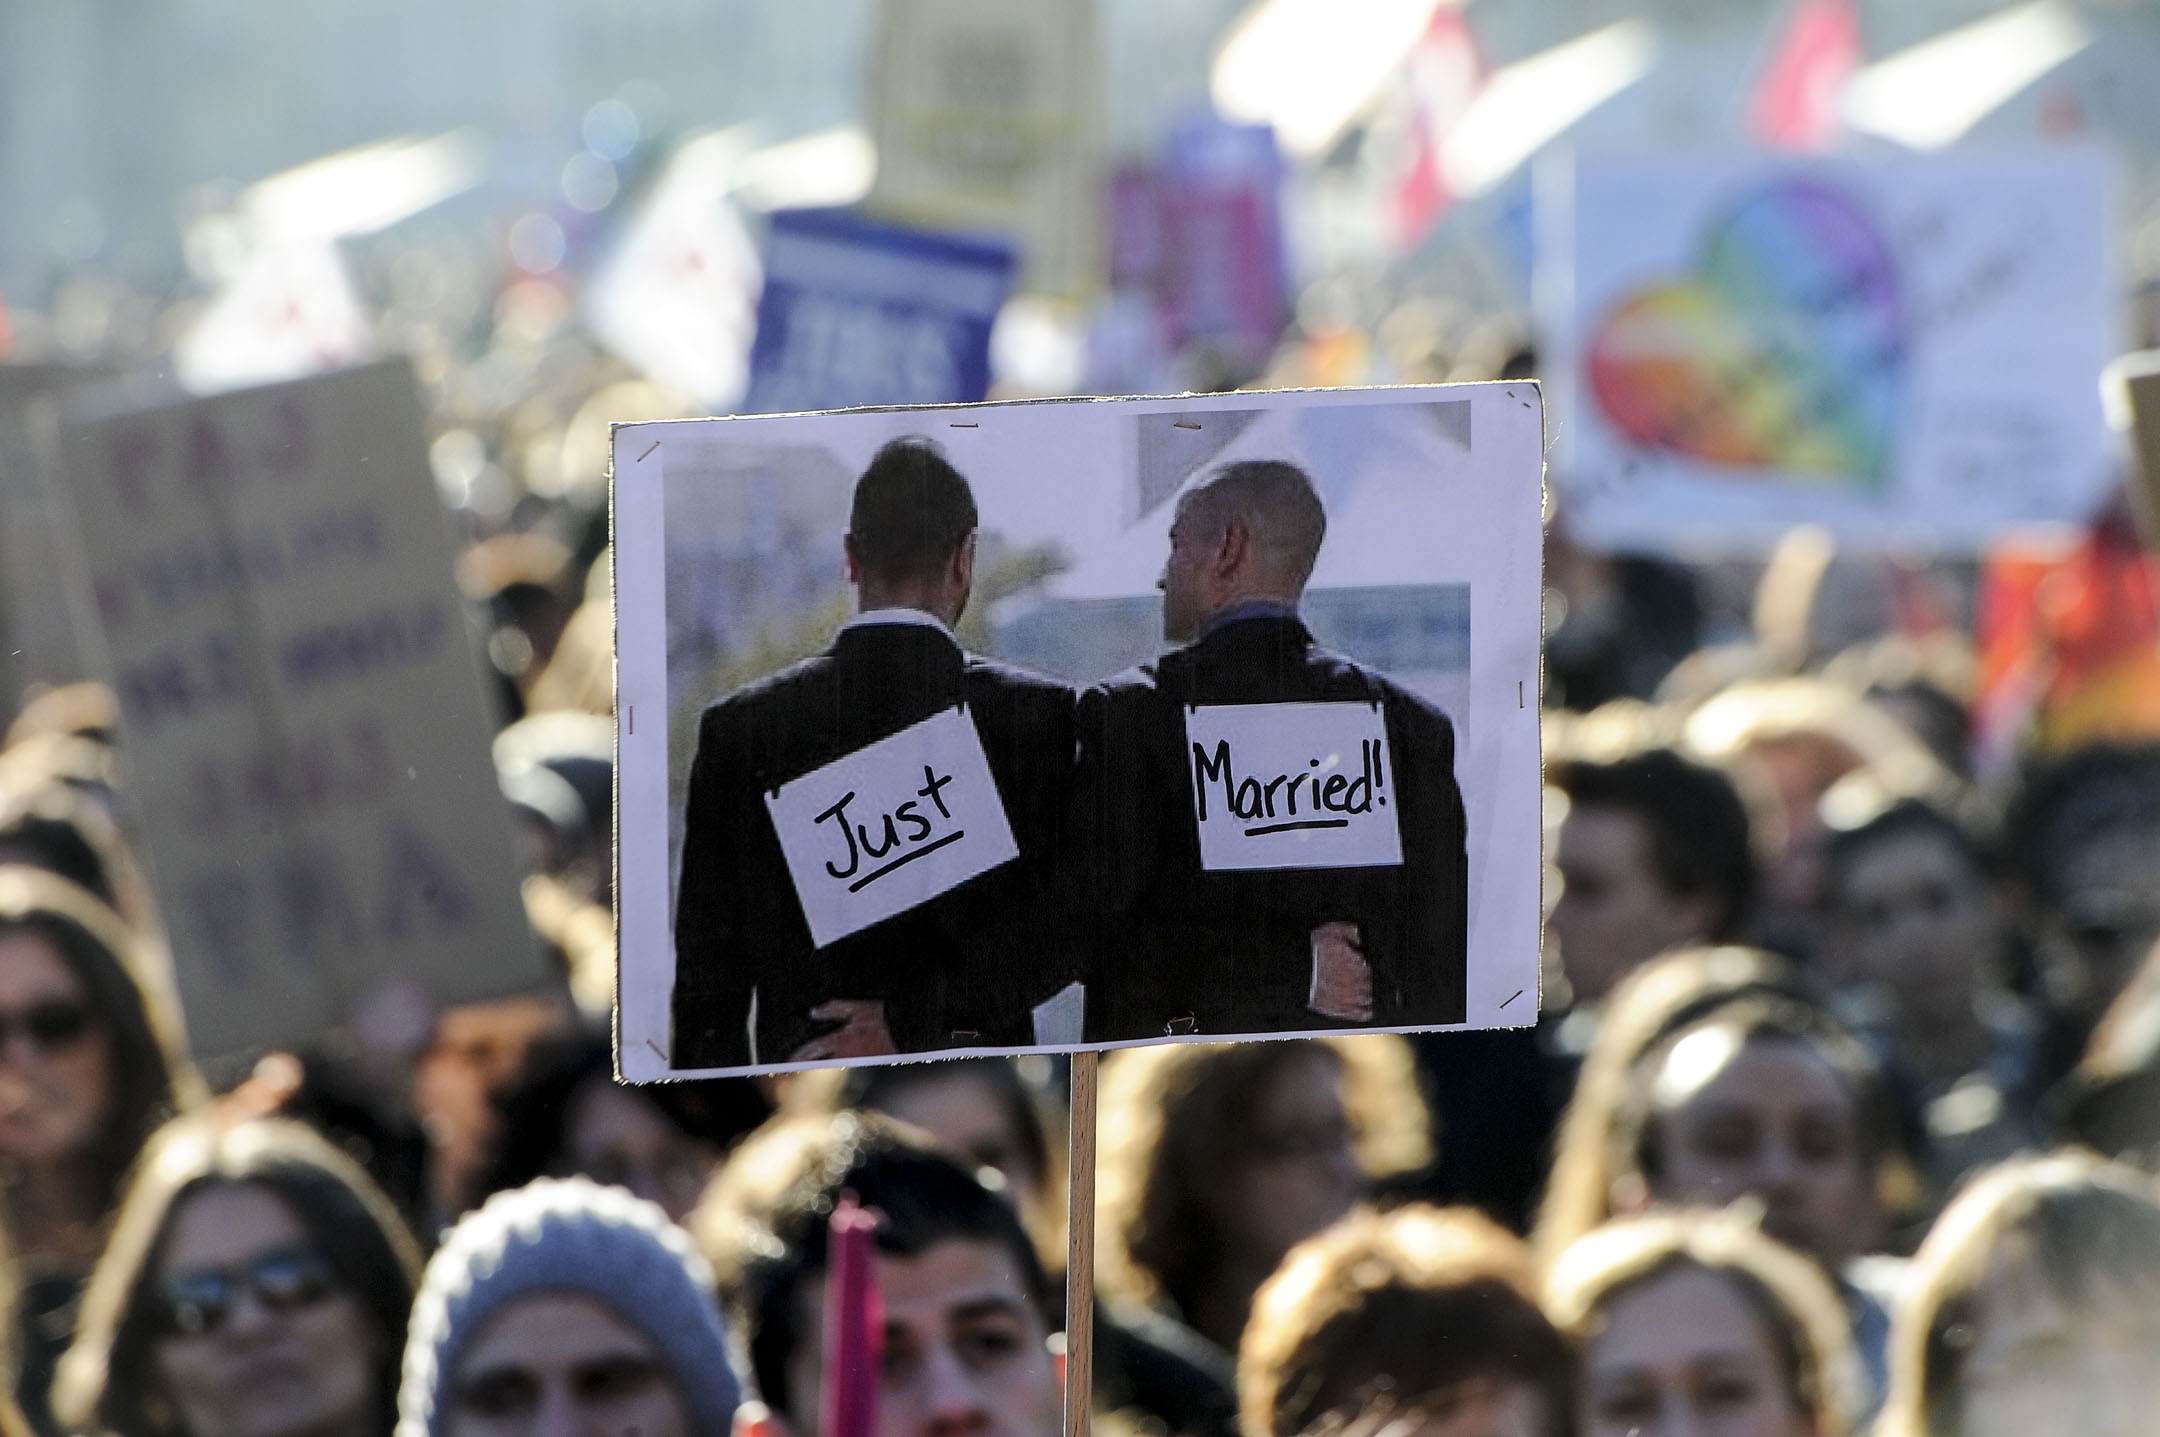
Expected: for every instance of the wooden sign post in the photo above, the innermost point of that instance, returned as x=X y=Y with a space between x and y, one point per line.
x=1080 y=1253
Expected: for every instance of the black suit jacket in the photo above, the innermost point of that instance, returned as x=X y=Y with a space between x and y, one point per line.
x=963 y=968
x=1181 y=950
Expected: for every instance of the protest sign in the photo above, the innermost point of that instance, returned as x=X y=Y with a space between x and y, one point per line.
x=38 y=643
x=300 y=704
x=750 y=705
x=1902 y=349
x=987 y=117
x=856 y=312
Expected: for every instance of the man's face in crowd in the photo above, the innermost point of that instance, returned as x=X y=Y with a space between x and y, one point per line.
x=2107 y=921
x=965 y=1349
x=1767 y=1118
x=1184 y=577
x=1914 y=917
x=1614 y=913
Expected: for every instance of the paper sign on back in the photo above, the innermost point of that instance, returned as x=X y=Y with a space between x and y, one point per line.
x=1292 y=786
x=891 y=826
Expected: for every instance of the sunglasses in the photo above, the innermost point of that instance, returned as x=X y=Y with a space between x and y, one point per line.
x=54 y=1023
x=196 y=1303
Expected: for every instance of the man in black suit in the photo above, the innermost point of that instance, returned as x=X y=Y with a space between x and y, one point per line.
x=1183 y=949
x=962 y=966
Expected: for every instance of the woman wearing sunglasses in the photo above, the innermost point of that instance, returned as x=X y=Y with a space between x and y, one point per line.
x=257 y=1285
x=89 y=1065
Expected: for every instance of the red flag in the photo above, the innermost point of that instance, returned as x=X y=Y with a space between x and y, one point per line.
x=854 y=1325
x=1442 y=75
x=1795 y=107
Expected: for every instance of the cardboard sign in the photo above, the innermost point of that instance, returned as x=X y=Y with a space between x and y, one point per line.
x=302 y=712
x=1898 y=348
x=38 y=638
x=891 y=826
x=1291 y=786
x=856 y=312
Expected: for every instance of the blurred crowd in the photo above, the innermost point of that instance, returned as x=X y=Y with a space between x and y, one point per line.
x=1839 y=1115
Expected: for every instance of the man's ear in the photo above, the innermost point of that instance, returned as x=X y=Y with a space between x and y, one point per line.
x=852 y=564
x=960 y=569
x=1234 y=547
x=755 y=1419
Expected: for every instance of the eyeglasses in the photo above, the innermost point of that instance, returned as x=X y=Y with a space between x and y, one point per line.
x=49 y=1025
x=196 y=1303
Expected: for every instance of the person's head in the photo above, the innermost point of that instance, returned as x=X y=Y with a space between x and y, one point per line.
x=965 y=1344
x=1914 y=910
x=2033 y=1306
x=1765 y=1098
x=911 y=532
x=1653 y=854
x=1218 y=1158
x=256 y=1285
x=2085 y=839
x=562 y=1307
x=1650 y=1005
x=87 y=1057
x=566 y=1115
x=1427 y=1317
x=1250 y=530
x=1694 y=1322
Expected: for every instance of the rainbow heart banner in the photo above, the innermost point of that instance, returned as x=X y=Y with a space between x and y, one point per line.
x=1902 y=349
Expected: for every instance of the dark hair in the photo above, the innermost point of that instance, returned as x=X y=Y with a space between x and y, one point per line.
x=911 y=510
x=1697 y=825
x=877 y=1087
x=2064 y=807
x=105 y=959
x=106 y=1379
x=921 y=1196
x=2092 y=1224
x=1381 y=1311
x=1907 y=818
x=532 y=1111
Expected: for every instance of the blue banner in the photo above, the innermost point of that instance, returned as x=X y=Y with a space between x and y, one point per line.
x=857 y=312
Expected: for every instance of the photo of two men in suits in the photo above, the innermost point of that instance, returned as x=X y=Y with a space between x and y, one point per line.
x=898 y=846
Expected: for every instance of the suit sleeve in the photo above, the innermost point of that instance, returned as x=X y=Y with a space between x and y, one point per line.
x=1436 y=870
x=713 y=977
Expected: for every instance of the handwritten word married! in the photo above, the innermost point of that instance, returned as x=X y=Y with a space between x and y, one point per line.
x=1250 y=798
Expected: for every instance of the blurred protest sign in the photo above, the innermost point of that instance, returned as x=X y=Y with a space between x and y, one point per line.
x=857 y=312
x=676 y=295
x=1201 y=234
x=987 y=117
x=729 y=593
x=301 y=708
x=1901 y=349
x=37 y=637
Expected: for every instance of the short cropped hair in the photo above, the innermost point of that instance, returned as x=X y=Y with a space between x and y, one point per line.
x=1801 y=1313
x=1279 y=506
x=1384 y=1310
x=2066 y=806
x=922 y=1197
x=1908 y=817
x=2093 y=1226
x=911 y=510
x=1697 y=825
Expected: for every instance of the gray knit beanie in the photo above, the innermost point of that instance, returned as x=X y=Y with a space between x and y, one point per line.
x=569 y=1235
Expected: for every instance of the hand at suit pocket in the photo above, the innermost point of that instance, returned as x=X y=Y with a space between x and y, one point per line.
x=862 y=1032
x=1342 y=983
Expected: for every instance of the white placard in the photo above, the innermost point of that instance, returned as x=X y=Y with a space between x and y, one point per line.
x=1292 y=786
x=891 y=826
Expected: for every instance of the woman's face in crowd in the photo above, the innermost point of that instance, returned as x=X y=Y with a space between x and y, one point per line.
x=561 y=1363
x=615 y=1136
x=1773 y=1120
x=965 y=1115
x=55 y=1054
x=270 y=1344
x=1684 y=1353
x=1296 y=1171
x=2039 y=1364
